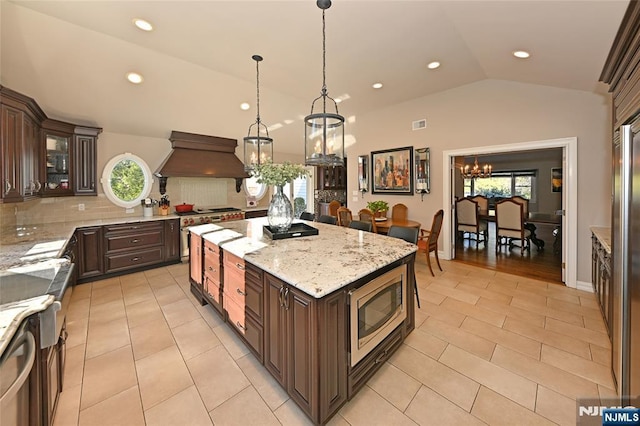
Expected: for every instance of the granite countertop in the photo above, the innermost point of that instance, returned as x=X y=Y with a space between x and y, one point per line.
x=317 y=264
x=603 y=234
x=12 y=315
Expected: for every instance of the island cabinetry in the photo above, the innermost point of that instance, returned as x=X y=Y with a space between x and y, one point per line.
x=212 y=284
x=133 y=245
x=242 y=301
x=195 y=266
x=90 y=252
x=601 y=276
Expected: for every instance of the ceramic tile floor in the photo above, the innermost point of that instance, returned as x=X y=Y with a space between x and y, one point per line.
x=489 y=348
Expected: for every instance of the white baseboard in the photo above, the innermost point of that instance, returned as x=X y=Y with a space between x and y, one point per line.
x=584 y=286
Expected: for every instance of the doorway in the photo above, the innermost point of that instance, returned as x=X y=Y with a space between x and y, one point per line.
x=569 y=196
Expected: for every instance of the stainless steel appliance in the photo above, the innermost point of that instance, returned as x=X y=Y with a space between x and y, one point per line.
x=625 y=240
x=202 y=216
x=16 y=365
x=376 y=309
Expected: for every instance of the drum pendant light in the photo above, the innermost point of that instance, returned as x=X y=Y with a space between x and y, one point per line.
x=258 y=149
x=324 y=132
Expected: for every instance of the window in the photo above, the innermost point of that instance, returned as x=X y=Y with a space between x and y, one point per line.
x=504 y=184
x=126 y=179
x=254 y=189
x=298 y=190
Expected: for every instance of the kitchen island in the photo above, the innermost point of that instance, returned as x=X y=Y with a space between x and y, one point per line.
x=292 y=302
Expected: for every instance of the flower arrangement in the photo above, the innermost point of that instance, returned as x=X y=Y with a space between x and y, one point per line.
x=378 y=206
x=278 y=174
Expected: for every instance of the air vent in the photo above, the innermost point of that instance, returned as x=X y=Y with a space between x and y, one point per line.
x=419 y=124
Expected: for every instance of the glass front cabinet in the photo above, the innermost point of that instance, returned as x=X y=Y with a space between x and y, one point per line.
x=70 y=153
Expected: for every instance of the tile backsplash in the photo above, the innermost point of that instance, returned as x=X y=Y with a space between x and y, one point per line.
x=203 y=192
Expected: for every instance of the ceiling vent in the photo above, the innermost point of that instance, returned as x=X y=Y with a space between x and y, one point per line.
x=419 y=124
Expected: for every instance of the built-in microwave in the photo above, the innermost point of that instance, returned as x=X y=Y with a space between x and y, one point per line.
x=376 y=309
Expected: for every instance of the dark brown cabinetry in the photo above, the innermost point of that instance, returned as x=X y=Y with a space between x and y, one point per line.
x=601 y=276
x=84 y=160
x=331 y=177
x=19 y=146
x=90 y=252
x=111 y=250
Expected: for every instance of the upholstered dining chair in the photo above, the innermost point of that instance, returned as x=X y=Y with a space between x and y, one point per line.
x=333 y=208
x=307 y=216
x=428 y=240
x=410 y=235
x=525 y=206
x=510 y=225
x=344 y=216
x=483 y=202
x=360 y=225
x=328 y=219
x=468 y=221
x=399 y=212
x=366 y=215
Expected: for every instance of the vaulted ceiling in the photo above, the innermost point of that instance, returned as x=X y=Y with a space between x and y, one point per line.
x=71 y=56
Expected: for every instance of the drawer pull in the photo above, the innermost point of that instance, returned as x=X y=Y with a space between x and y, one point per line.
x=239 y=266
x=211 y=269
x=240 y=326
x=381 y=357
x=135 y=259
x=135 y=240
x=240 y=292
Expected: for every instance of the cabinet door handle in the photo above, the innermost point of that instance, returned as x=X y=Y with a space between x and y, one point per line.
x=381 y=357
x=239 y=266
x=280 y=299
x=7 y=185
x=240 y=292
x=286 y=299
x=39 y=186
x=240 y=326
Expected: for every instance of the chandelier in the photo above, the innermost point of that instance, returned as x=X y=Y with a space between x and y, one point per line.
x=469 y=172
x=324 y=132
x=258 y=148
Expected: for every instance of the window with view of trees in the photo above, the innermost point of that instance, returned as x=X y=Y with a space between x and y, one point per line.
x=504 y=184
x=126 y=179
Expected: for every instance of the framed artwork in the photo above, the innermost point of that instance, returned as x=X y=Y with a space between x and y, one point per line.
x=556 y=179
x=363 y=173
x=392 y=171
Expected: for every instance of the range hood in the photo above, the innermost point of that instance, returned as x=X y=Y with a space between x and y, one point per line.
x=196 y=155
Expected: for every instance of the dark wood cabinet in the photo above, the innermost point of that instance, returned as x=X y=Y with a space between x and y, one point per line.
x=290 y=350
x=84 y=160
x=11 y=146
x=31 y=180
x=331 y=177
x=601 y=276
x=90 y=253
x=250 y=214
x=172 y=240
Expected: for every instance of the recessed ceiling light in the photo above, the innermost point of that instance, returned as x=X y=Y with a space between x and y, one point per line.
x=134 y=77
x=522 y=54
x=142 y=24
x=245 y=106
x=377 y=85
x=433 y=65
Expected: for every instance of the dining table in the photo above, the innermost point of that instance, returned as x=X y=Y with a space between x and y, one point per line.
x=384 y=225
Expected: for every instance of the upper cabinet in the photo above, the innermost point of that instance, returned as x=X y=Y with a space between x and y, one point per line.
x=41 y=156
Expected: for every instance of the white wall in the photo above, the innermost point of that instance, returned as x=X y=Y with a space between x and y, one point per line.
x=493 y=112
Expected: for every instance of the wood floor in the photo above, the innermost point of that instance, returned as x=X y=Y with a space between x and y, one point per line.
x=543 y=265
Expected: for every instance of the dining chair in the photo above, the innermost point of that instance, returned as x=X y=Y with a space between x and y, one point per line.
x=307 y=216
x=410 y=235
x=328 y=219
x=344 y=216
x=366 y=215
x=483 y=202
x=525 y=206
x=428 y=240
x=362 y=226
x=399 y=212
x=333 y=208
x=468 y=221
x=510 y=225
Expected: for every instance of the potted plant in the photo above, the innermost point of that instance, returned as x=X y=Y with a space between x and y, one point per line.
x=280 y=213
x=378 y=208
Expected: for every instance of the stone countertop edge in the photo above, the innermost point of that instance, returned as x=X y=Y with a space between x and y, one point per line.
x=12 y=315
x=18 y=241
x=603 y=234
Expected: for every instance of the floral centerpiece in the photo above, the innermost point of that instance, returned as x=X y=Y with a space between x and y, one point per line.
x=280 y=213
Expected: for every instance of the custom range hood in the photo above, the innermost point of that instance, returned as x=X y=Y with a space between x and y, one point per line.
x=196 y=155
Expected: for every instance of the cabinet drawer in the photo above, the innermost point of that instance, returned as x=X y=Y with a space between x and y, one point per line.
x=254 y=300
x=212 y=268
x=234 y=284
x=116 y=262
x=246 y=326
x=133 y=241
x=135 y=227
x=236 y=314
x=211 y=249
x=212 y=288
x=234 y=262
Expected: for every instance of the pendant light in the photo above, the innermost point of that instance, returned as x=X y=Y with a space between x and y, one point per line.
x=324 y=132
x=258 y=148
